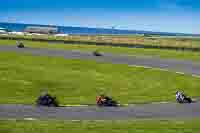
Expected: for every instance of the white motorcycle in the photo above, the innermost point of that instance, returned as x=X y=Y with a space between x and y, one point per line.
x=184 y=99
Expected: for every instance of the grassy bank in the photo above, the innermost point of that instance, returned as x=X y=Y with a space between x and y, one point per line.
x=181 y=55
x=189 y=126
x=23 y=77
x=140 y=40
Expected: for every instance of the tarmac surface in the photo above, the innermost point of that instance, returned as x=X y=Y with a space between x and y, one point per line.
x=180 y=66
x=146 y=111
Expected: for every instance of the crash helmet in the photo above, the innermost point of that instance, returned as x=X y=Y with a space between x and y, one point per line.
x=44 y=92
x=177 y=91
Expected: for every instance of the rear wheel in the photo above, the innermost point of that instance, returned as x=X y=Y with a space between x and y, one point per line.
x=188 y=100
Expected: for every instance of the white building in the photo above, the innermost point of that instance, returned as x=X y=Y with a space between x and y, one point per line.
x=41 y=30
x=16 y=33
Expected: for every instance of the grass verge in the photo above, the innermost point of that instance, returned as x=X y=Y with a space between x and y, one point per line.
x=181 y=55
x=22 y=77
x=176 y=42
x=148 y=126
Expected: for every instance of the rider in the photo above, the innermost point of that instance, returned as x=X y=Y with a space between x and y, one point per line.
x=100 y=100
x=20 y=44
x=180 y=96
x=45 y=98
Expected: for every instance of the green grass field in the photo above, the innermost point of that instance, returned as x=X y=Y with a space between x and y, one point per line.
x=188 y=126
x=22 y=77
x=172 y=54
x=126 y=39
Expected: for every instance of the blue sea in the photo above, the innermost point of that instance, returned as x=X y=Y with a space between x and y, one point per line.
x=84 y=30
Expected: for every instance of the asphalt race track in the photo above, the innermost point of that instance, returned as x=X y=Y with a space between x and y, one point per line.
x=187 y=67
x=146 y=111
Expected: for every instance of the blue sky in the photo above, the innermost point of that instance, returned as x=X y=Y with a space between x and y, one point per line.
x=153 y=15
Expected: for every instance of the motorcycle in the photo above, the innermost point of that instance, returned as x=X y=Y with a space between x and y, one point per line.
x=20 y=45
x=185 y=99
x=47 y=100
x=107 y=102
x=97 y=53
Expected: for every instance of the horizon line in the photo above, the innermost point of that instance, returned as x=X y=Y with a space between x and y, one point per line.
x=100 y=28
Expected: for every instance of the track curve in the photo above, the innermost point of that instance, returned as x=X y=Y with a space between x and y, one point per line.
x=186 y=67
x=147 y=111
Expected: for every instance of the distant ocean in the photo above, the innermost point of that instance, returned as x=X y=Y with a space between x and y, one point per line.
x=84 y=30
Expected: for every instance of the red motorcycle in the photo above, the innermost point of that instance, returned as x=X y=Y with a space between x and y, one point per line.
x=105 y=101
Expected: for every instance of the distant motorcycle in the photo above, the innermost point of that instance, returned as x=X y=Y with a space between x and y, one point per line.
x=20 y=44
x=97 y=53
